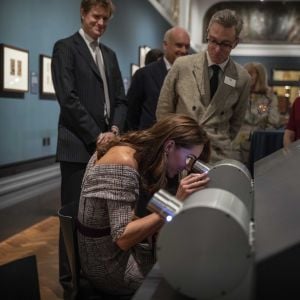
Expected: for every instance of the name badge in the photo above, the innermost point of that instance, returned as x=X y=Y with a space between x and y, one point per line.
x=230 y=81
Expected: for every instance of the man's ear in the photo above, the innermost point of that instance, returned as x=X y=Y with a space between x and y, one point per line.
x=169 y=146
x=164 y=44
x=81 y=14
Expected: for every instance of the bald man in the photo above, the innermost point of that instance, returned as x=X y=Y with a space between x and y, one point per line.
x=146 y=83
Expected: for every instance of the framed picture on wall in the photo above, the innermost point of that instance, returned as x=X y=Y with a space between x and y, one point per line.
x=46 y=84
x=143 y=50
x=134 y=68
x=260 y=18
x=286 y=75
x=14 y=73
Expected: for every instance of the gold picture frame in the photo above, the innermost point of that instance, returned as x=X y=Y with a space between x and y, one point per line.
x=286 y=75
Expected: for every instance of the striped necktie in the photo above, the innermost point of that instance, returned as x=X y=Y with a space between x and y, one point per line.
x=100 y=64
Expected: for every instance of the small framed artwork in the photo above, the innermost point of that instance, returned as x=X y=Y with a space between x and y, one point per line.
x=14 y=74
x=46 y=84
x=134 y=68
x=286 y=75
x=143 y=50
x=260 y=20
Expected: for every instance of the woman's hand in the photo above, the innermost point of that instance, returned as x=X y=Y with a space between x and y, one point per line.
x=191 y=183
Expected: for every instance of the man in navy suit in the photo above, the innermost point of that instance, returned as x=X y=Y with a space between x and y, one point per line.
x=92 y=106
x=146 y=83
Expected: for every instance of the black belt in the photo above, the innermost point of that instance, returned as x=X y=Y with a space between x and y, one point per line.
x=92 y=232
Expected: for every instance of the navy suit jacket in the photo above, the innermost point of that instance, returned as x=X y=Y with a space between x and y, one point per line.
x=143 y=95
x=79 y=90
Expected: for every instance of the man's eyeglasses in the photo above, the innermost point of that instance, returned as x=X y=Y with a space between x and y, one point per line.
x=222 y=45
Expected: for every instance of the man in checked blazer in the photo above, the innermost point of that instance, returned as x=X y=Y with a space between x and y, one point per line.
x=187 y=90
x=80 y=90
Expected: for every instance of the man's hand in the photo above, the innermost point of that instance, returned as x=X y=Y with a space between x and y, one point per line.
x=105 y=137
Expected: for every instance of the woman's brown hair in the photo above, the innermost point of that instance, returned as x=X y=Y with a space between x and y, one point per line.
x=149 y=146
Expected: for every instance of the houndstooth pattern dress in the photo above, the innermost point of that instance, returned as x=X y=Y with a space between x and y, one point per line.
x=108 y=198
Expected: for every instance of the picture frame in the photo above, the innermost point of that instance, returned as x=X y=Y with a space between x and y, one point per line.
x=286 y=75
x=14 y=69
x=143 y=50
x=260 y=21
x=133 y=68
x=46 y=84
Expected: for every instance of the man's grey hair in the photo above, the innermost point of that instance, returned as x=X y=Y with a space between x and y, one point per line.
x=227 y=18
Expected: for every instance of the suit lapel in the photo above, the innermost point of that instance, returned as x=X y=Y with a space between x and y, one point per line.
x=225 y=89
x=84 y=51
x=219 y=100
x=159 y=72
x=200 y=72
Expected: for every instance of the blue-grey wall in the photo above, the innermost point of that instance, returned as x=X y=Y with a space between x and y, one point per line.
x=35 y=25
x=135 y=23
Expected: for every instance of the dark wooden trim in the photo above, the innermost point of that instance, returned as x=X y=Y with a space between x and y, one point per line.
x=18 y=167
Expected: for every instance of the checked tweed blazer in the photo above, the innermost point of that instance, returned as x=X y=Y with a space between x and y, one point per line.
x=186 y=90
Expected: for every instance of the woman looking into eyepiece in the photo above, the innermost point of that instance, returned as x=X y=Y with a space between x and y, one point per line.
x=115 y=230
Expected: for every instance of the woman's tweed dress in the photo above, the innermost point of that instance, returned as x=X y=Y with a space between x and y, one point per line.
x=108 y=198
